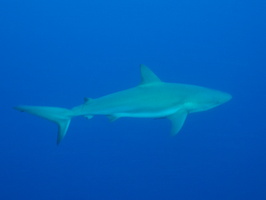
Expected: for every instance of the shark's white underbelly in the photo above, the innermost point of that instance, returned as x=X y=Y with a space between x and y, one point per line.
x=146 y=114
x=138 y=110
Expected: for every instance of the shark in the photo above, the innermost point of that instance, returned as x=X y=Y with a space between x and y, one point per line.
x=152 y=98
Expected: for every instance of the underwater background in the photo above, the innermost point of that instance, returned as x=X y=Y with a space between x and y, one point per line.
x=55 y=53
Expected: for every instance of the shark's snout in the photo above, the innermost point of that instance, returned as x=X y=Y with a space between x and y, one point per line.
x=224 y=97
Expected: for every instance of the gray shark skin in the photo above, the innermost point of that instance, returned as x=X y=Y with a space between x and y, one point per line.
x=152 y=98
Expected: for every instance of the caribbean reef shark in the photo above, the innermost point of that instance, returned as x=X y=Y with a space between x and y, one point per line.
x=152 y=98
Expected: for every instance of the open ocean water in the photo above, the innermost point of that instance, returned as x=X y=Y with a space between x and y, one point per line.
x=55 y=53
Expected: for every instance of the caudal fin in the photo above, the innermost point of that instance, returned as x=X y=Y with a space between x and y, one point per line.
x=60 y=116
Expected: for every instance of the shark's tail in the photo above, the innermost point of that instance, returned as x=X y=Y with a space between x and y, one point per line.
x=60 y=116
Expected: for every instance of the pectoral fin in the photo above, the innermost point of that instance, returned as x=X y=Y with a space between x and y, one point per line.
x=177 y=120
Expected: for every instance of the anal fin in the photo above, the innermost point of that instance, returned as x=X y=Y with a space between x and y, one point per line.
x=112 y=117
x=88 y=116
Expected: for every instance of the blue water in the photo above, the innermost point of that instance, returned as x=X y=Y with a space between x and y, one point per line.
x=55 y=53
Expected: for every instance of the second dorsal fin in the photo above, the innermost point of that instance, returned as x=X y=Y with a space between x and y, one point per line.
x=86 y=99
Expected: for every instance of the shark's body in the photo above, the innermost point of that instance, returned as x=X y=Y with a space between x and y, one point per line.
x=151 y=99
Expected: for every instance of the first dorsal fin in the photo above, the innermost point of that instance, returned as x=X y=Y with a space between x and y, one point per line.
x=147 y=76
